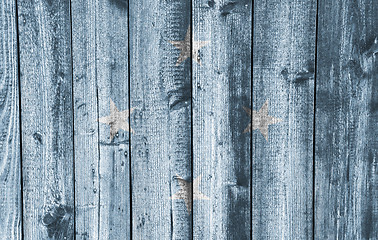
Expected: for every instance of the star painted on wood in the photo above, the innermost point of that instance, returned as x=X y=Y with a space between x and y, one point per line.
x=261 y=120
x=184 y=46
x=117 y=120
x=185 y=192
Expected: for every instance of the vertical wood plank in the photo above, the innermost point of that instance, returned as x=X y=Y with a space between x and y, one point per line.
x=10 y=177
x=346 y=121
x=87 y=188
x=46 y=113
x=283 y=75
x=100 y=37
x=221 y=88
x=160 y=92
x=113 y=83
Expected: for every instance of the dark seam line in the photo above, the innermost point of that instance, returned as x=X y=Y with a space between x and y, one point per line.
x=98 y=130
x=129 y=88
x=313 y=129
x=251 y=140
x=191 y=112
x=20 y=116
x=99 y=156
x=73 y=122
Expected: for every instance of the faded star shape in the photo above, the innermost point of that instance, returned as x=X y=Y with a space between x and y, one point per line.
x=185 y=192
x=184 y=46
x=117 y=120
x=261 y=120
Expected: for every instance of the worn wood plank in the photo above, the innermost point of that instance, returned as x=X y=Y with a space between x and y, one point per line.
x=113 y=83
x=87 y=189
x=46 y=114
x=346 y=121
x=10 y=161
x=221 y=88
x=283 y=85
x=160 y=92
x=100 y=38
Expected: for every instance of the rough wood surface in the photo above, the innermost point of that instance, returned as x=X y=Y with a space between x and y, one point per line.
x=160 y=92
x=346 y=200
x=46 y=114
x=113 y=83
x=87 y=188
x=283 y=74
x=221 y=88
x=188 y=119
x=10 y=162
x=100 y=38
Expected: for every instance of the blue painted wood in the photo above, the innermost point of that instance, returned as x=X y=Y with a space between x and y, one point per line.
x=10 y=161
x=283 y=75
x=64 y=134
x=46 y=119
x=221 y=87
x=113 y=83
x=346 y=205
x=100 y=38
x=160 y=92
x=87 y=187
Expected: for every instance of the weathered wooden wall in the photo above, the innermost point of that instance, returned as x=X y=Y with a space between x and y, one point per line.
x=346 y=127
x=283 y=76
x=10 y=160
x=46 y=119
x=100 y=78
x=160 y=94
x=221 y=88
x=200 y=119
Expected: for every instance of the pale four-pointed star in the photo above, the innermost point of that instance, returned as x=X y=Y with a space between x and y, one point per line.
x=184 y=46
x=261 y=120
x=117 y=120
x=185 y=192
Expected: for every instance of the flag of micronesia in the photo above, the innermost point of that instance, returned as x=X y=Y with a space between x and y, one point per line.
x=196 y=119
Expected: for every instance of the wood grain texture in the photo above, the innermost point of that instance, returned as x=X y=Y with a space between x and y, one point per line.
x=46 y=113
x=283 y=74
x=221 y=87
x=87 y=156
x=160 y=92
x=113 y=83
x=346 y=121
x=100 y=37
x=10 y=161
